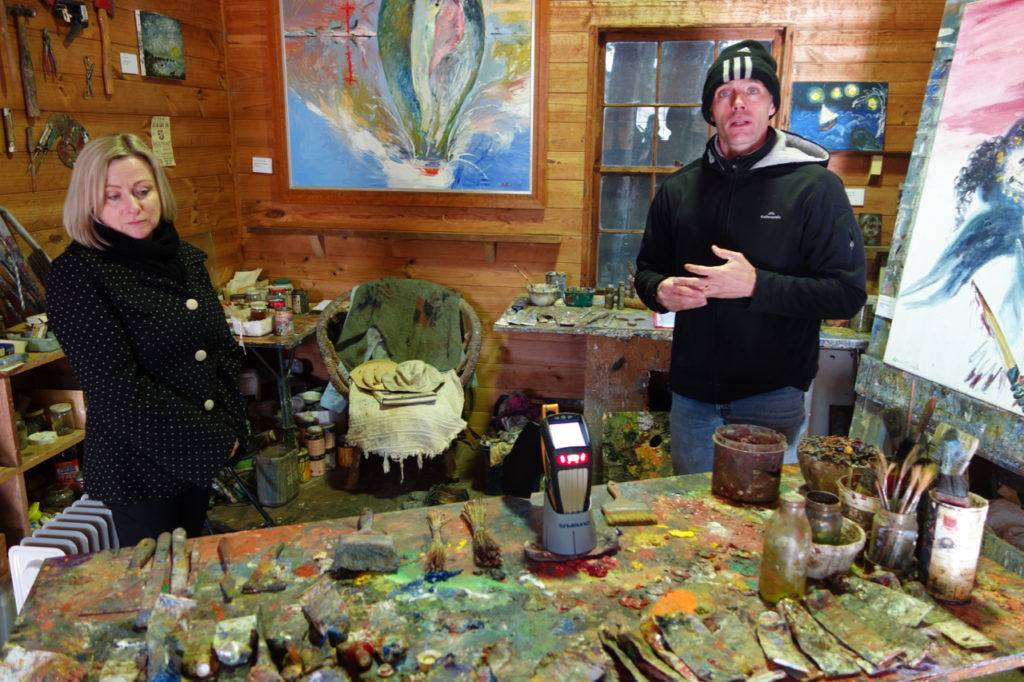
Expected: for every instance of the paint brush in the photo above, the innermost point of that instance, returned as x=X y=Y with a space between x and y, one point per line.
x=437 y=554
x=907 y=441
x=622 y=512
x=486 y=552
x=365 y=550
x=952 y=449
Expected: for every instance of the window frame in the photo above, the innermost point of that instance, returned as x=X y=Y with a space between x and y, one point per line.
x=781 y=37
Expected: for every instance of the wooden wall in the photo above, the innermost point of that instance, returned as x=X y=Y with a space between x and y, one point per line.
x=203 y=177
x=864 y=40
x=222 y=115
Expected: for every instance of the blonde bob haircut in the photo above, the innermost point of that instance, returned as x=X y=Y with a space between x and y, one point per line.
x=87 y=189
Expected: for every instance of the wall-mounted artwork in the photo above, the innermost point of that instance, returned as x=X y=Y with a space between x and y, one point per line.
x=870 y=228
x=843 y=115
x=418 y=96
x=959 y=316
x=161 y=48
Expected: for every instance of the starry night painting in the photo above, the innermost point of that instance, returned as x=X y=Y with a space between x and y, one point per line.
x=959 y=315
x=434 y=95
x=845 y=115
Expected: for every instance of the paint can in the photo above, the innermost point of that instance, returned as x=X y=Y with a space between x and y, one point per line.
x=950 y=546
x=283 y=322
x=747 y=464
x=559 y=280
x=277 y=479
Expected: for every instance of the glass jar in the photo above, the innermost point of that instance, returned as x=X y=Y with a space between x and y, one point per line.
x=258 y=310
x=824 y=513
x=67 y=466
x=35 y=421
x=300 y=301
x=893 y=540
x=786 y=551
x=61 y=419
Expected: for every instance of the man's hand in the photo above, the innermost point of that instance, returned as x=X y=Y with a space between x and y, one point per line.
x=733 y=279
x=682 y=293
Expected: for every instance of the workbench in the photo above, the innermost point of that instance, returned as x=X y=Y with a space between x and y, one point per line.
x=623 y=347
x=527 y=619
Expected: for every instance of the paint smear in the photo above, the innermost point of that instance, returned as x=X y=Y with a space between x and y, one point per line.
x=675 y=601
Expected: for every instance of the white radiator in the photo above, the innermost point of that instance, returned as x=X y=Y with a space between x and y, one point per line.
x=85 y=526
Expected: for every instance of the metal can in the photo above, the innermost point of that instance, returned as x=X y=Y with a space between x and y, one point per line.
x=328 y=437
x=300 y=301
x=283 y=322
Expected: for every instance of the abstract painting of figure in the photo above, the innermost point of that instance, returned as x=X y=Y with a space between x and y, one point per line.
x=841 y=115
x=409 y=94
x=959 y=317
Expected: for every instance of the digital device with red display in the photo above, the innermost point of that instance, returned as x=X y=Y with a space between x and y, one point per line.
x=568 y=458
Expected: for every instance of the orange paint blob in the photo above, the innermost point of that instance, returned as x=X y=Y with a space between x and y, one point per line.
x=675 y=601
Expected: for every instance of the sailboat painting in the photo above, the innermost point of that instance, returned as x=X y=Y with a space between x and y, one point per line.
x=409 y=95
x=840 y=115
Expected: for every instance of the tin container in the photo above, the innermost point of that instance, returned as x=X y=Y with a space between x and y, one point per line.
x=950 y=545
x=314 y=440
x=284 y=325
x=557 y=279
x=302 y=465
x=277 y=477
x=329 y=443
x=747 y=464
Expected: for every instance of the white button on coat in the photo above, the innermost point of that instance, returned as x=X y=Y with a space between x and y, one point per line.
x=208 y=405
x=200 y=355
x=192 y=304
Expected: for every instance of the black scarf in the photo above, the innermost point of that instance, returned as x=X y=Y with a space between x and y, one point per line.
x=157 y=255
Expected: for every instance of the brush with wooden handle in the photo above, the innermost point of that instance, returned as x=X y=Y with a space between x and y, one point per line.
x=952 y=449
x=622 y=512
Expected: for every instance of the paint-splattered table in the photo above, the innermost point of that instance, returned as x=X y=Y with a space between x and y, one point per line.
x=528 y=620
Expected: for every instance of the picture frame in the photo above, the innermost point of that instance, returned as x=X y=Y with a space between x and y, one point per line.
x=371 y=111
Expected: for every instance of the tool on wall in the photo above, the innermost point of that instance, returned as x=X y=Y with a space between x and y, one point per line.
x=64 y=133
x=28 y=75
x=49 y=61
x=9 y=131
x=9 y=57
x=71 y=12
x=90 y=67
x=105 y=7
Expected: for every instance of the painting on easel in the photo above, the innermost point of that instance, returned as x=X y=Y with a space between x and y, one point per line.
x=959 y=316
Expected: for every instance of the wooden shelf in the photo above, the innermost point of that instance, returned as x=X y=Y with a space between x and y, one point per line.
x=34 y=455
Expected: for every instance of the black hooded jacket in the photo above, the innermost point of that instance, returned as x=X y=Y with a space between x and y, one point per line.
x=790 y=217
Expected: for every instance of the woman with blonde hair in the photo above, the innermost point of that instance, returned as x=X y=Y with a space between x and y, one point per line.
x=135 y=312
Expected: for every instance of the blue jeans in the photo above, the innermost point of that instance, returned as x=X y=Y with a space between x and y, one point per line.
x=693 y=423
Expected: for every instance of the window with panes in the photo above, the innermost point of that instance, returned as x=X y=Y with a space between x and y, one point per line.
x=650 y=126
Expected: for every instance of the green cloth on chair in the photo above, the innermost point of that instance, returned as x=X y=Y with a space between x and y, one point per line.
x=417 y=320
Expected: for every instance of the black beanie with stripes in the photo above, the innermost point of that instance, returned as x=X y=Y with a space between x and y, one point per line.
x=748 y=59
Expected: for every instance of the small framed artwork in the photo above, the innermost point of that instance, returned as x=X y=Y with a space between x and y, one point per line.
x=840 y=116
x=161 y=48
x=870 y=228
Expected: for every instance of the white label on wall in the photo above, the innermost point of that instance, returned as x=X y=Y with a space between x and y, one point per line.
x=261 y=164
x=129 y=62
x=855 y=195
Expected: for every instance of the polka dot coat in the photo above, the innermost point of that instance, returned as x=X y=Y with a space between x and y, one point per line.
x=159 y=369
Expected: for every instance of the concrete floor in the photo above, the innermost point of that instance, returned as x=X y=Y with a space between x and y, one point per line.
x=329 y=496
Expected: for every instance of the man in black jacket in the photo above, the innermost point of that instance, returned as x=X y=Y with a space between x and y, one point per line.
x=752 y=245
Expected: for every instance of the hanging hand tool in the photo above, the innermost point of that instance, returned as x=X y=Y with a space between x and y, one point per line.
x=9 y=131
x=28 y=76
x=49 y=61
x=90 y=66
x=73 y=12
x=30 y=147
x=9 y=58
x=105 y=6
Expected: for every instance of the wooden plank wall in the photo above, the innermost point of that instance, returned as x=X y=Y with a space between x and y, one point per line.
x=203 y=177
x=864 y=40
x=222 y=115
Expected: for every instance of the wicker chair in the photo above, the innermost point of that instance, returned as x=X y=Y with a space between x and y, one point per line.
x=331 y=321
